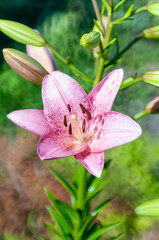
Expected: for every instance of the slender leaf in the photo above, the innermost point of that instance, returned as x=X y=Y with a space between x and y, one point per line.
x=118 y=5
x=53 y=230
x=101 y=207
x=68 y=212
x=62 y=181
x=102 y=230
x=91 y=178
x=61 y=223
x=86 y=224
x=96 y=191
x=96 y=182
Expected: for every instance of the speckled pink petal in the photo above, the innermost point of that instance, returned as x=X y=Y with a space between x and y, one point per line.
x=55 y=146
x=93 y=162
x=103 y=95
x=112 y=129
x=58 y=91
x=32 y=120
x=43 y=56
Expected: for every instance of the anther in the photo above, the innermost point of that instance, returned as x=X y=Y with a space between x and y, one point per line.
x=83 y=125
x=69 y=108
x=70 y=129
x=65 y=121
x=88 y=114
x=82 y=108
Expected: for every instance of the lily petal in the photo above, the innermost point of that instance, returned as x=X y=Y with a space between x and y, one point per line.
x=43 y=56
x=103 y=95
x=58 y=91
x=112 y=129
x=32 y=120
x=93 y=162
x=56 y=146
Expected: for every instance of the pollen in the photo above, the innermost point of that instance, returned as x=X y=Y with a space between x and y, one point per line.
x=73 y=116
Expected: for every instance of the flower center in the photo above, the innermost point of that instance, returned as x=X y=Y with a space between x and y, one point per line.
x=75 y=127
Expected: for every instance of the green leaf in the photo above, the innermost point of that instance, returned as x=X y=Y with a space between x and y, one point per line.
x=61 y=208
x=86 y=224
x=63 y=181
x=91 y=178
x=67 y=211
x=101 y=207
x=108 y=7
x=118 y=5
x=63 y=225
x=21 y=33
x=96 y=182
x=102 y=230
x=96 y=191
x=150 y=208
x=53 y=230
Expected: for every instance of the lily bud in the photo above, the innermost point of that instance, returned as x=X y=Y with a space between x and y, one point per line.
x=153 y=106
x=90 y=40
x=25 y=66
x=151 y=78
x=43 y=56
x=154 y=9
x=21 y=33
x=151 y=33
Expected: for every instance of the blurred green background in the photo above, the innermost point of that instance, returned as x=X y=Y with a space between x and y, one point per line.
x=134 y=171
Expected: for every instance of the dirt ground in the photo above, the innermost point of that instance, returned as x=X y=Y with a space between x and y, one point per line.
x=23 y=177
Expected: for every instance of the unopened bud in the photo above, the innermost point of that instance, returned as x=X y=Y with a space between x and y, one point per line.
x=151 y=78
x=21 y=33
x=151 y=33
x=154 y=9
x=24 y=65
x=153 y=106
x=43 y=56
x=90 y=40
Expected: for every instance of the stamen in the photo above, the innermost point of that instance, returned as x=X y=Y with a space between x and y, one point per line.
x=84 y=125
x=65 y=121
x=69 y=108
x=82 y=108
x=88 y=114
x=70 y=129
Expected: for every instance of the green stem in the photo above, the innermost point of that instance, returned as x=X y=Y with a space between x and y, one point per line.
x=117 y=56
x=102 y=60
x=75 y=70
x=141 y=9
x=97 y=12
x=140 y=115
x=81 y=193
x=129 y=82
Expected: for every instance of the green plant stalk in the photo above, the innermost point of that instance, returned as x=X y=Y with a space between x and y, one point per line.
x=75 y=70
x=106 y=41
x=80 y=200
x=114 y=59
x=81 y=192
x=129 y=82
x=96 y=9
x=141 y=9
x=140 y=115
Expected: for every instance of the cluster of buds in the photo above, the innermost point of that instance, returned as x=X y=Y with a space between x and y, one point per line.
x=38 y=62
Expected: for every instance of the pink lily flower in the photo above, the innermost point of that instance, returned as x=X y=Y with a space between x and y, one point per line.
x=74 y=123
